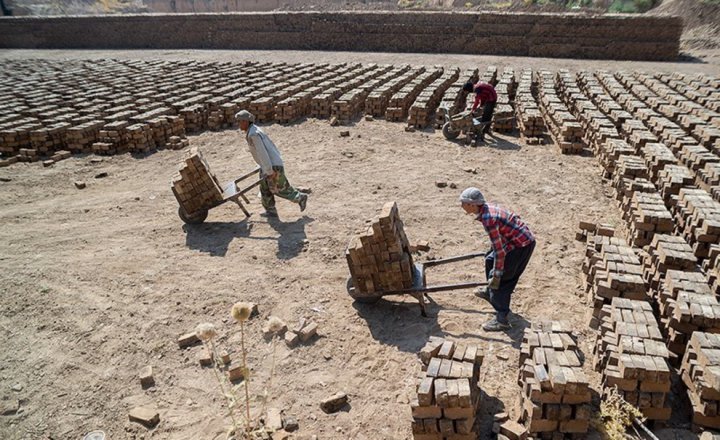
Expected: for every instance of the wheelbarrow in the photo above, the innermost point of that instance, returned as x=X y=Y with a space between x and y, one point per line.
x=466 y=122
x=231 y=193
x=420 y=287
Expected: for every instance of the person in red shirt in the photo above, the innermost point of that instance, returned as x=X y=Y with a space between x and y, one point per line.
x=512 y=246
x=486 y=96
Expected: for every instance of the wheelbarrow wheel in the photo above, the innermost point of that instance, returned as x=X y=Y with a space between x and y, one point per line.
x=195 y=219
x=361 y=299
x=448 y=132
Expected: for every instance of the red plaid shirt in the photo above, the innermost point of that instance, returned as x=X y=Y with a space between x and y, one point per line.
x=506 y=231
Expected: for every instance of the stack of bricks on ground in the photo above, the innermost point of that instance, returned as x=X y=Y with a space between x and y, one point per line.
x=555 y=396
x=380 y=259
x=612 y=269
x=195 y=187
x=94 y=110
x=529 y=118
x=631 y=355
x=564 y=128
x=447 y=395
x=700 y=372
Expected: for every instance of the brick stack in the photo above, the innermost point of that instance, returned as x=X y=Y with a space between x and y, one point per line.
x=700 y=371
x=630 y=175
x=698 y=217
x=49 y=139
x=140 y=139
x=454 y=99
x=321 y=104
x=555 y=396
x=666 y=252
x=195 y=187
x=401 y=101
x=609 y=153
x=612 y=270
x=529 y=118
x=711 y=266
x=447 y=395
x=377 y=100
x=195 y=117
x=631 y=355
x=504 y=112
x=564 y=129
x=686 y=305
x=421 y=110
x=380 y=260
x=671 y=179
x=647 y=216
x=81 y=137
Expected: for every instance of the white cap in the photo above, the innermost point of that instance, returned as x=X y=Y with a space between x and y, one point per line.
x=244 y=115
x=472 y=196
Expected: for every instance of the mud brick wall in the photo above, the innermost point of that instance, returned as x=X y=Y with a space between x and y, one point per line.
x=540 y=35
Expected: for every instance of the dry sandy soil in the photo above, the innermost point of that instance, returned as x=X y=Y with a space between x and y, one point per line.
x=100 y=282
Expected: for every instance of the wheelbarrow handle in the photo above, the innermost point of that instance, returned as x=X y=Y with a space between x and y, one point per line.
x=256 y=170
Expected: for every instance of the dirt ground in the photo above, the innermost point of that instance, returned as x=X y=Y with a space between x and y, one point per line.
x=99 y=283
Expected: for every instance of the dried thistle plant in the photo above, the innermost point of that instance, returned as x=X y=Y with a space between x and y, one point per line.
x=241 y=311
x=275 y=327
x=616 y=416
x=206 y=333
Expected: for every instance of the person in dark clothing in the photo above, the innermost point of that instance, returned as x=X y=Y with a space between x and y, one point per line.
x=512 y=246
x=486 y=96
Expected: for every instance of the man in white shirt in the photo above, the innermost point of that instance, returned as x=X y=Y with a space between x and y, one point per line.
x=266 y=154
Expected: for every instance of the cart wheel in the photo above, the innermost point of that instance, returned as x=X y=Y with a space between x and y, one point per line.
x=195 y=219
x=361 y=299
x=448 y=132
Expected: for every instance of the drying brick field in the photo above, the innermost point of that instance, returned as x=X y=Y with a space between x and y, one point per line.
x=614 y=165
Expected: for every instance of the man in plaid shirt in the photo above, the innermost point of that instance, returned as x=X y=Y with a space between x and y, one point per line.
x=512 y=246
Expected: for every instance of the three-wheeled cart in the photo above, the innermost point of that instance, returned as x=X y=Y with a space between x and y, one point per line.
x=420 y=287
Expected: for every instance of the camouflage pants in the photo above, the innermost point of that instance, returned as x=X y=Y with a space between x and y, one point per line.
x=277 y=185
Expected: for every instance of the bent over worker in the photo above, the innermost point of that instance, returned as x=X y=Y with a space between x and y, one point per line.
x=512 y=246
x=486 y=96
x=272 y=172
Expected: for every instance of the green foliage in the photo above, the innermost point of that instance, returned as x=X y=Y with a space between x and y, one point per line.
x=632 y=6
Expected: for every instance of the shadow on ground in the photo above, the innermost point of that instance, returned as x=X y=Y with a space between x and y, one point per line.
x=400 y=324
x=214 y=238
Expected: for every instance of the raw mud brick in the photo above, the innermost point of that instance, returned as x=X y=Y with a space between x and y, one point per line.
x=145 y=416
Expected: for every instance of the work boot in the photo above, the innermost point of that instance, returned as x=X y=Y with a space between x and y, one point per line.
x=269 y=213
x=495 y=326
x=483 y=293
x=302 y=201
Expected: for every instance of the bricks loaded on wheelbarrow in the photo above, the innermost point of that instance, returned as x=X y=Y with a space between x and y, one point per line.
x=381 y=263
x=197 y=190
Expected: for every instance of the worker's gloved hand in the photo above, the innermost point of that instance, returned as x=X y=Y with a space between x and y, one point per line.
x=495 y=282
